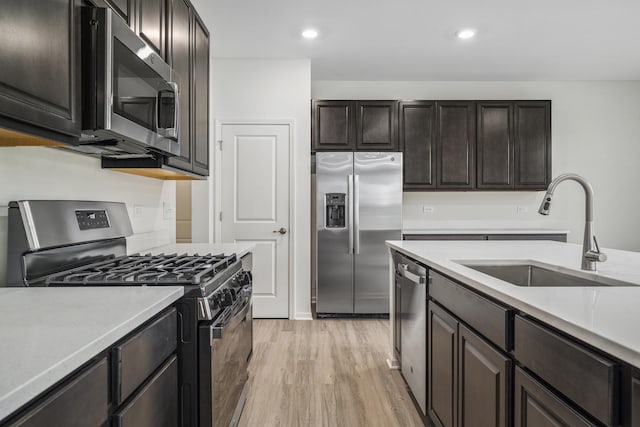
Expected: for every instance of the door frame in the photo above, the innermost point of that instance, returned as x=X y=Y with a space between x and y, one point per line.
x=217 y=190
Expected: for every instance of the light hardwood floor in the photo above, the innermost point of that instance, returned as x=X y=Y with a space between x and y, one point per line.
x=325 y=373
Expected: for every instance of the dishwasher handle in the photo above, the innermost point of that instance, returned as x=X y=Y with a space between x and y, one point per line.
x=412 y=277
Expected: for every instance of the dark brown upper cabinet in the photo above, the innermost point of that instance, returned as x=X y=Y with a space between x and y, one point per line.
x=377 y=125
x=417 y=132
x=200 y=112
x=532 y=130
x=495 y=146
x=124 y=8
x=333 y=125
x=151 y=23
x=180 y=57
x=40 y=77
x=189 y=57
x=455 y=145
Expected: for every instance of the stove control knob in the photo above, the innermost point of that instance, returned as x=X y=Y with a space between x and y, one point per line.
x=217 y=301
x=227 y=298
x=244 y=278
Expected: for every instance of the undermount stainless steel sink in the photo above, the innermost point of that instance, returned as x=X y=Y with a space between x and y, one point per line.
x=539 y=275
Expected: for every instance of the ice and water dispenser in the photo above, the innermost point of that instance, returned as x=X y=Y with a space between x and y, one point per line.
x=335 y=210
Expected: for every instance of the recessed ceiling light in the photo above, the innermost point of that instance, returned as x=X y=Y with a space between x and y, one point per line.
x=466 y=34
x=310 y=33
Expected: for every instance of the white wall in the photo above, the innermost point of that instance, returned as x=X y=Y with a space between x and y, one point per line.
x=46 y=173
x=595 y=132
x=276 y=89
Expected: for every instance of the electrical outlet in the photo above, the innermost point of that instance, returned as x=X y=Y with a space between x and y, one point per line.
x=427 y=210
x=522 y=210
x=167 y=210
x=137 y=211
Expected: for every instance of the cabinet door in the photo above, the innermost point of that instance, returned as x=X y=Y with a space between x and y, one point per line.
x=156 y=404
x=151 y=23
x=532 y=127
x=495 y=145
x=442 y=367
x=124 y=8
x=200 y=93
x=417 y=131
x=455 y=145
x=484 y=383
x=333 y=125
x=82 y=402
x=634 y=401
x=180 y=55
x=40 y=51
x=536 y=406
x=377 y=125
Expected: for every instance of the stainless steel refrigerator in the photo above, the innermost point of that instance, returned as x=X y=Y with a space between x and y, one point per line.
x=358 y=207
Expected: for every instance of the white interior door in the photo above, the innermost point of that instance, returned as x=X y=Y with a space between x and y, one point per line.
x=255 y=207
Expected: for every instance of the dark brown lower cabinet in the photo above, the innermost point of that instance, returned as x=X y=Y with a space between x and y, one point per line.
x=81 y=402
x=469 y=381
x=442 y=352
x=484 y=386
x=140 y=389
x=536 y=406
x=156 y=405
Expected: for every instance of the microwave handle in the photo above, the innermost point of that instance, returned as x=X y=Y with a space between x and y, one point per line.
x=174 y=131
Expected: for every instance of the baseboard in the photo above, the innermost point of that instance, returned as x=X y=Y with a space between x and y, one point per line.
x=393 y=364
x=303 y=316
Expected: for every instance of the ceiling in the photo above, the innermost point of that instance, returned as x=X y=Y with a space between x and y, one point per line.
x=415 y=39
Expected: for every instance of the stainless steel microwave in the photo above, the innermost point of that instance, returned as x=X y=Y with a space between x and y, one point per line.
x=130 y=94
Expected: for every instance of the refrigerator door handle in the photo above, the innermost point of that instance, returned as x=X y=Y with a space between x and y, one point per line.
x=356 y=214
x=350 y=212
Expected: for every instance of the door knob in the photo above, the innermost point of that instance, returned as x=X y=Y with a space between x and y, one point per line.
x=281 y=231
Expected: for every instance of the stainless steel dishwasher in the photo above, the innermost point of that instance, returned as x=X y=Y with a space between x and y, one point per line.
x=413 y=326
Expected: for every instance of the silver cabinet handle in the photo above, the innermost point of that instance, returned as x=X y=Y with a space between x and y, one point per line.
x=282 y=230
x=415 y=278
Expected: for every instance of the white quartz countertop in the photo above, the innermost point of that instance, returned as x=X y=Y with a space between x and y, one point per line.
x=47 y=333
x=606 y=317
x=240 y=249
x=431 y=231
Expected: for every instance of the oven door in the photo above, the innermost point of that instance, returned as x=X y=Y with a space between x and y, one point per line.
x=225 y=349
x=141 y=91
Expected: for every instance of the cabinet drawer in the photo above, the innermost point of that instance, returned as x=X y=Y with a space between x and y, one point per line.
x=535 y=405
x=586 y=378
x=156 y=405
x=486 y=317
x=139 y=356
x=82 y=402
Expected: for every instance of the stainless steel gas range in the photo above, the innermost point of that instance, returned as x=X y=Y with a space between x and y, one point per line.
x=82 y=243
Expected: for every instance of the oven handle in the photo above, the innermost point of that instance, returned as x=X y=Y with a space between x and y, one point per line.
x=217 y=330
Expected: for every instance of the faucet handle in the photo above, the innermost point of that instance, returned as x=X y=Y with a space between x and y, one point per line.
x=596 y=255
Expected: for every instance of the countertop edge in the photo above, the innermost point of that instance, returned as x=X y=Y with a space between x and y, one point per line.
x=600 y=342
x=475 y=231
x=20 y=397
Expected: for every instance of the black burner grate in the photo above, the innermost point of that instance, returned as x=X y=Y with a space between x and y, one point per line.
x=146 y=270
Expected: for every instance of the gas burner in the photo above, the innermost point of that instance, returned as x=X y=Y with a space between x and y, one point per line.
x=152 y=270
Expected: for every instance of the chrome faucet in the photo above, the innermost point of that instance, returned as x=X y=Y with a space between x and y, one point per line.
x=590 y=249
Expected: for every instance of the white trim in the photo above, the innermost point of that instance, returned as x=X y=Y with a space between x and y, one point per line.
x=292 y=193
x=303 y=316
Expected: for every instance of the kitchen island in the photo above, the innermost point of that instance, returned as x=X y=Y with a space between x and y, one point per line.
x=49 y=333
x=580 y=342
